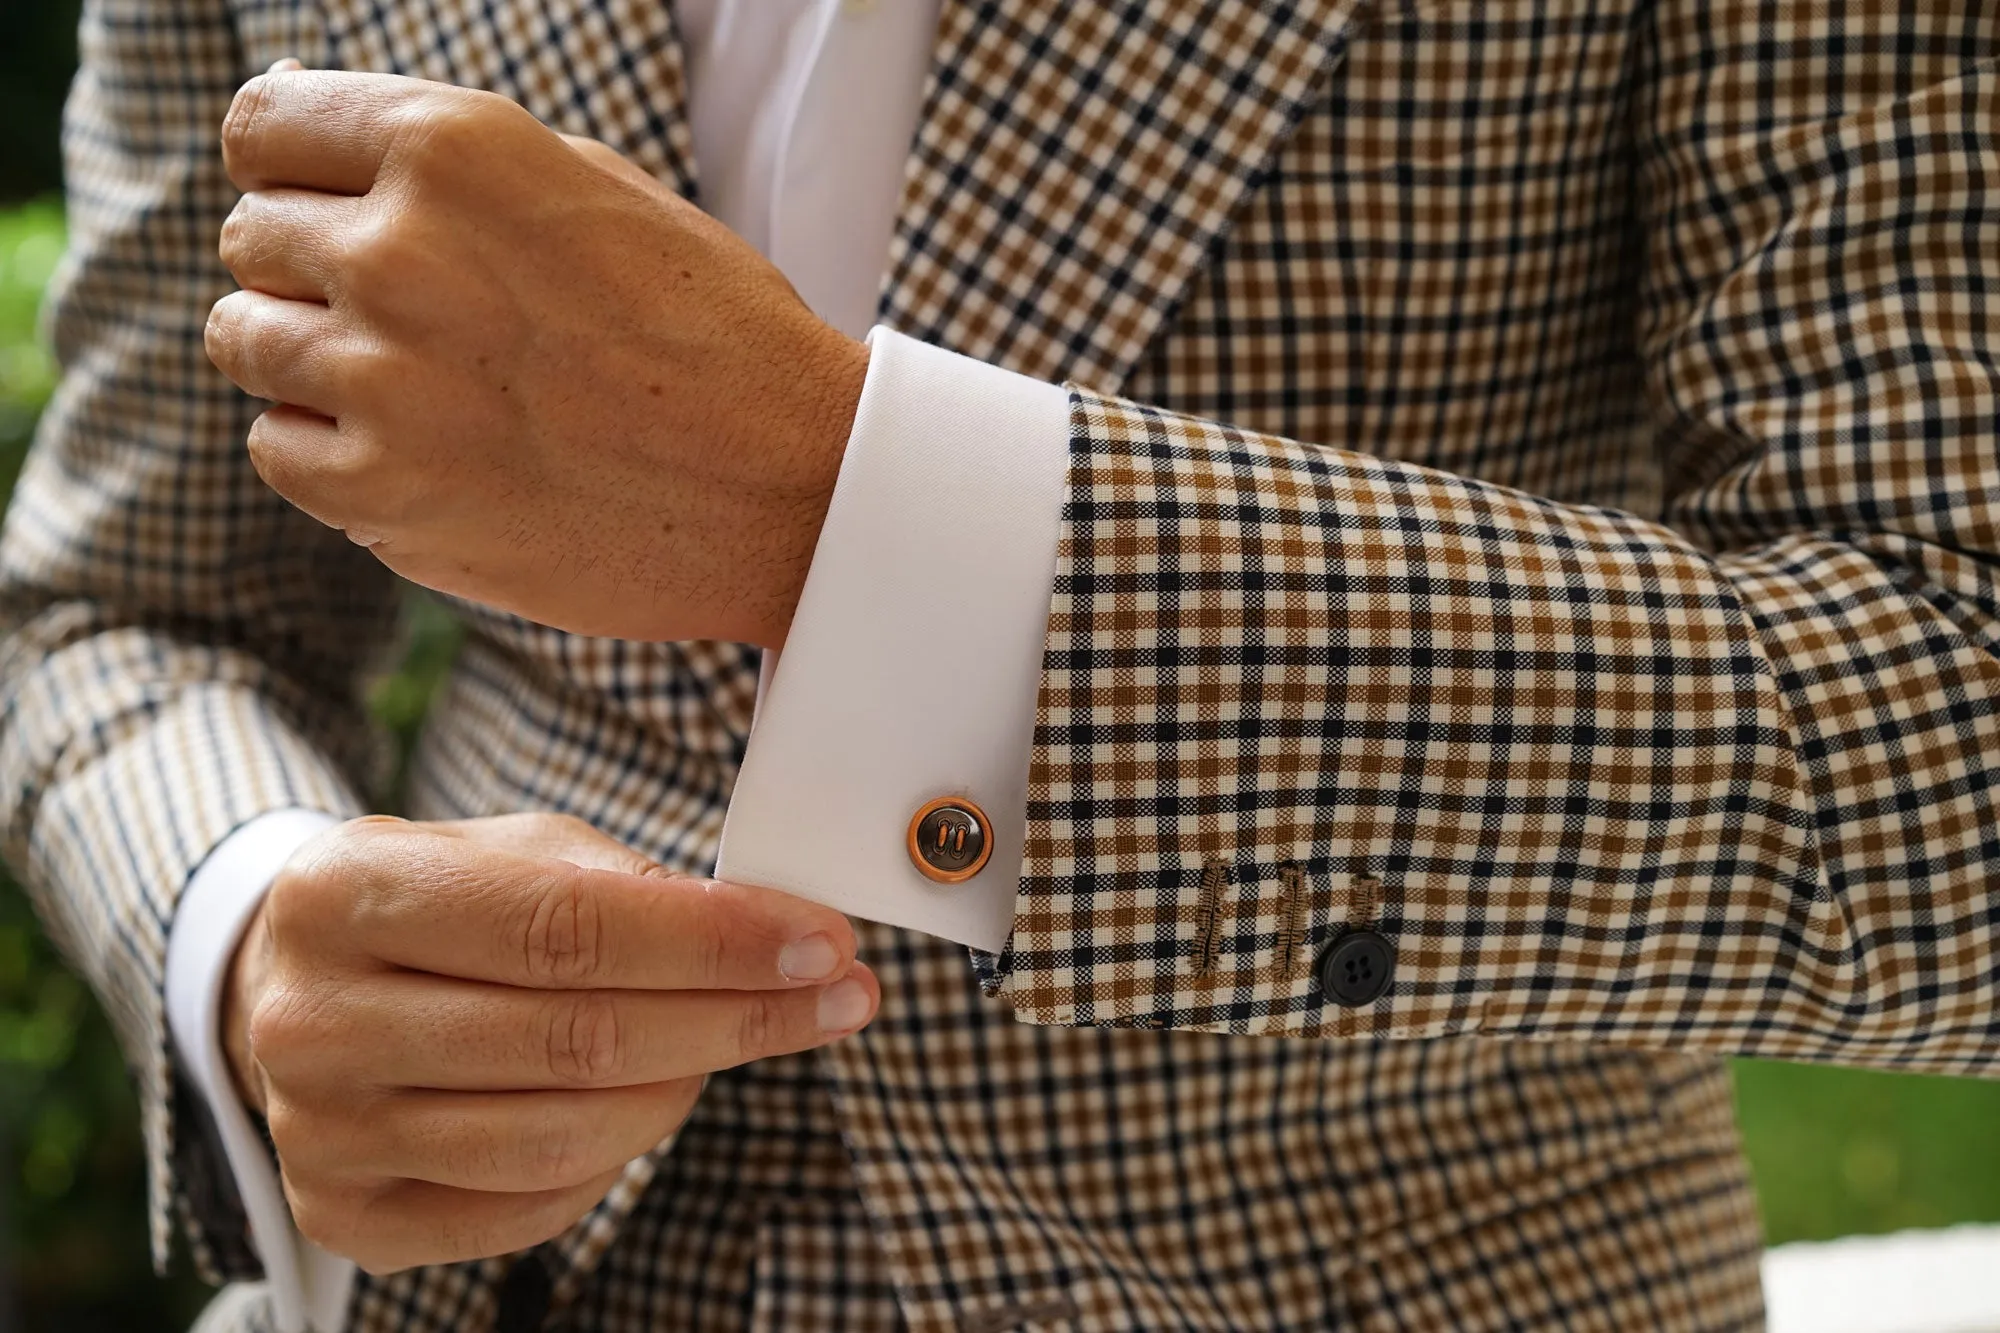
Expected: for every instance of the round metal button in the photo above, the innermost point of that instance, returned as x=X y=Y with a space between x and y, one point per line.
x=1355 y=968
x=949 y=840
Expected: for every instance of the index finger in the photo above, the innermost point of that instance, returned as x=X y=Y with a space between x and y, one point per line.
x=452 y=907
x=318 y=129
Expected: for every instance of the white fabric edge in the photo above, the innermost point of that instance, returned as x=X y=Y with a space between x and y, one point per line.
x=1906 y=1282
x=309 y=1288
x=914 y=658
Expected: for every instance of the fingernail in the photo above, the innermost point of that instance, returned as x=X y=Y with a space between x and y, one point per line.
x=843 y=1005
x=810 y=959
x=285 y=65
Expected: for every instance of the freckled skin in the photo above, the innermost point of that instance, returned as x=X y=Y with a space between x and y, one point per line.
x=520 y=369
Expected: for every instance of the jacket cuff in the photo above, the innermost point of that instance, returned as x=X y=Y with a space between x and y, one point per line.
x=116 y=842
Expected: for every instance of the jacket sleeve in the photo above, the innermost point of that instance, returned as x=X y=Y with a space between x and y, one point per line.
x=182 y=648
x=1722 y=779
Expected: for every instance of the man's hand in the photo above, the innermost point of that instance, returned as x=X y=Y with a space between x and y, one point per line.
x=519 y=369
x=460 y=1033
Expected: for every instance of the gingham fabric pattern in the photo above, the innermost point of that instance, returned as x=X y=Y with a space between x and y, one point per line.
x=1618 y=641
x=1712 y=770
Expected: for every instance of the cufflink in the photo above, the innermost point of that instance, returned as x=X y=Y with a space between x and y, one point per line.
x=950 y=840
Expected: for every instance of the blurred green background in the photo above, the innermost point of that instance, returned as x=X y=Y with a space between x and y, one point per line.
x=1835 y=1152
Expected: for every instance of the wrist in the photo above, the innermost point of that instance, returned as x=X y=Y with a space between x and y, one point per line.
x=826 y=401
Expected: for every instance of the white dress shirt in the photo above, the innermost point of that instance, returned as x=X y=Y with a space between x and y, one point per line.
x=945 y=515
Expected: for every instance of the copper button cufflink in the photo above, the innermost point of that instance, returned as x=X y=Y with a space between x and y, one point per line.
x=950 y=840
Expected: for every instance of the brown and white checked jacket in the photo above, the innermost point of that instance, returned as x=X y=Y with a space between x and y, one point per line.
x=1534 y=493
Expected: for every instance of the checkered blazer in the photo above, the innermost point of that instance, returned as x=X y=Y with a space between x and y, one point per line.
x=1534 y=493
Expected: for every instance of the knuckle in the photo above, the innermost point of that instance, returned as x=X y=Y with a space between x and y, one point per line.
x=732 y=937
x=318 y=1218
x=341 y=883
x=764 y=1027
x=598 y=153
x=568 y=825
x=563 y=944
x=707 y=944
x=371 y=879
x=291 y=897
x=546 y=825
x=524 y=823
x=705 y=953
x=270 y=458
x=378 y=828
x=231 y=241
x=355 y=855
x=369 y=375
x=377 y=259
x=337 y=1218
x=282 y=1118
x=222 y=331
x=581 y=1039
x=302 y=1139
x=359 y=470
x=438 y=130
x=281 y=1025
x=246 y=109
x=554 y=1153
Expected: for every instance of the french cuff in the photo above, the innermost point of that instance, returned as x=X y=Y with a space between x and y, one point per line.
x=910 y=673
x=308 y=1287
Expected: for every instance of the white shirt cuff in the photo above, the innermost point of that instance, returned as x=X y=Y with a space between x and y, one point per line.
x=914 y=658
x=308 y=1286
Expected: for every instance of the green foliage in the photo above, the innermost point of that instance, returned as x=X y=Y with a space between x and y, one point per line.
x=1834 y=1151
x=37 y=53
x=72 y=1175
x=1840 y=1152
x=31 y=241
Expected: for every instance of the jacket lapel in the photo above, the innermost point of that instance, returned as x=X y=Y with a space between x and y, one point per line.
x=611 y=69
x=1074 y=161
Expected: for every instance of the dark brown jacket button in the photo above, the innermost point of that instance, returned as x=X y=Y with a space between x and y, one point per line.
x=1355 y=968
x=950 y=840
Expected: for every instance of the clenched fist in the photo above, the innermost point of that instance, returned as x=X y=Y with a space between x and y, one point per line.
x=460 y=1033
x=517 y=368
